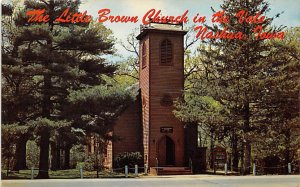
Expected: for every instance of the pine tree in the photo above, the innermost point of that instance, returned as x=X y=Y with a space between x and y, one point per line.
x=239 y=64
x=279 y=105
x=18 y=88
x=95 y=111
x=233 y=73
x=60 y=57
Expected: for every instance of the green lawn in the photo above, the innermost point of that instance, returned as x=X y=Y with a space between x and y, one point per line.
x=64 y=174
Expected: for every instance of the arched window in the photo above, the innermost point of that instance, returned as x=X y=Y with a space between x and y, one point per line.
x=166 y=52
x=144 y=55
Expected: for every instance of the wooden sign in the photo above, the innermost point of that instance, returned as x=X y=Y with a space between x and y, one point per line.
x=166 y=129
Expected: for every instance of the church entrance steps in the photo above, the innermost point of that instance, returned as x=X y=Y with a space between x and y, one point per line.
x=170 y=171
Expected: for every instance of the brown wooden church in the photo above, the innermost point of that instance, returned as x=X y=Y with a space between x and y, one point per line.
x=148 y=125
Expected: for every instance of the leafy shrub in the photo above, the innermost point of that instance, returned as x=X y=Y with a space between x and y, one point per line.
x=32 y=154
x=79 y=165
x=77 y=154
x=128 y=158
x=87 y=165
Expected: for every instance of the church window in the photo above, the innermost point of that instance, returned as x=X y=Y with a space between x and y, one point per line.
x=166 y=52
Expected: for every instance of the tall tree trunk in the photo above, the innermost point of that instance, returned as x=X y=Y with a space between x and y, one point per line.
x=58 y=148
x=45 y=133
x=44 y=154
x=212 y=145
x=20 y=154
x=54 y=156
x=246 y=143
x=287 y=149
x=46 y=107
x=235 y=153
x=242 y=159
x=8 y=165
x=67 y=157
x=247 y=157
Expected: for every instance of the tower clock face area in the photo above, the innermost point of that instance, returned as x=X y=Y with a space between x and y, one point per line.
x=161 y=82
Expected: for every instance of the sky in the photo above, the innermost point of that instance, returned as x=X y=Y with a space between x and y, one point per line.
x=290 y=17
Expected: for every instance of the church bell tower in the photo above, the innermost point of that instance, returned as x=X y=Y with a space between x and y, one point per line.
x=161 y=80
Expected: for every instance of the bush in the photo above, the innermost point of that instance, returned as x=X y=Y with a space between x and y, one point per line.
x=77 y=154
x=129 y=159
x=32 y=154
x=87 y=165
x=79 y=165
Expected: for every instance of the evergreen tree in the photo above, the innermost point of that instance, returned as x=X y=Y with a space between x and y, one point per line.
x=234 y=74
x=239 y=64
x=11 y=135
x=18 y=88
x=95 y=111
x=279 y=106
x=59 y=57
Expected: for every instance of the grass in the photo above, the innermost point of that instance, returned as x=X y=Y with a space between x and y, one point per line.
x=64 y=174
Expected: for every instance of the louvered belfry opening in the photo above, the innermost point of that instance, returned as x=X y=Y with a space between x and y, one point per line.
x=166 y=52
x=144 y=55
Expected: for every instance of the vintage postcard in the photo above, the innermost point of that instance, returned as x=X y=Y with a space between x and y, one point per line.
x=164 y=92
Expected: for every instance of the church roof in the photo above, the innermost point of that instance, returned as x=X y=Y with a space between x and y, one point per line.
x=160 y=28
